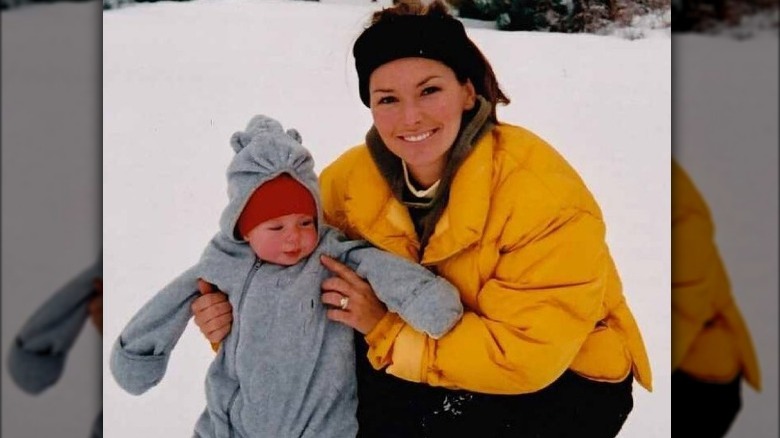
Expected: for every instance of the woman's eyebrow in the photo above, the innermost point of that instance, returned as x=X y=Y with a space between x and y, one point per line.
x=419 y=84
x=422 y=82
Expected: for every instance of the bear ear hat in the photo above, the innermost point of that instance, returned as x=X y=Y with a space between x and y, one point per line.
x=258 y=125
x=292 y=132
x=238 y=141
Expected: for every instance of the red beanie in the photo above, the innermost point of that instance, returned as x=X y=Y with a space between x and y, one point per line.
x=280 y=196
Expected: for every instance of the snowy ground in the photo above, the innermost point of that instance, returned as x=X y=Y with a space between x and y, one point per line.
x=180 y=78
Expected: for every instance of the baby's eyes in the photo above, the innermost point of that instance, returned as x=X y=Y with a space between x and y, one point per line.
x=307 y=223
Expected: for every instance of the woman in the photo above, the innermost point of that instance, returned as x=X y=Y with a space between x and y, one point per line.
x=547 y=345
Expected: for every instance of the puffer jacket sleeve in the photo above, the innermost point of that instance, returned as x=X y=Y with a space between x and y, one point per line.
x=427 y=302
x=140 y=354
x=530 y=318
x=38 y=353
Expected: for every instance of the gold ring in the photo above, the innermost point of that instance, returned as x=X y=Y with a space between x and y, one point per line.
x=344 y=303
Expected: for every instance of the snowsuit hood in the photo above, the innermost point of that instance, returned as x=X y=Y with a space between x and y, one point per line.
x=264 y=150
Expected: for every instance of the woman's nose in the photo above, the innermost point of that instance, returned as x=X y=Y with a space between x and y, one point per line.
x=411 y=113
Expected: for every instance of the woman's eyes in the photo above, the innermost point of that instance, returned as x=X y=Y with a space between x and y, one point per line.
x=430 y=90
x=391 y=99
x=387 y=99
x=307 y=223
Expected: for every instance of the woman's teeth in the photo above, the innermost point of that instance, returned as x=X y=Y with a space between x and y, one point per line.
x=416 y=138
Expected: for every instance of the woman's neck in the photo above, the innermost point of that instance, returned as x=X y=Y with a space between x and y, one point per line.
x=425 y=176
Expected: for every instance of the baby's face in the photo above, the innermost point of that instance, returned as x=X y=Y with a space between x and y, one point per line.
x=284 y=240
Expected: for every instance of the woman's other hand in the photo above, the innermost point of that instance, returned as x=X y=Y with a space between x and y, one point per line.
x=352 y=300
x=213 y=312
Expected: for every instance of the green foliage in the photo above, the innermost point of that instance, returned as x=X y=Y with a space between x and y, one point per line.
x=483 y=9
x=536 y=15
x=520 y=14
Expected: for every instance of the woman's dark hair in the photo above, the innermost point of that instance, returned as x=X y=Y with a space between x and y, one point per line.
x=411 y=29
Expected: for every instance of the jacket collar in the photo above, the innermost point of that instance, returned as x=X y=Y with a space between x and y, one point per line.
x=463 y=220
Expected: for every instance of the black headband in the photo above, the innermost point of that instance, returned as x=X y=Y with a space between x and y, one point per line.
x=438 y=37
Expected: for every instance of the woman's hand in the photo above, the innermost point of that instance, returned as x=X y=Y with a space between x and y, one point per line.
x=213 y=312
x=352 y=299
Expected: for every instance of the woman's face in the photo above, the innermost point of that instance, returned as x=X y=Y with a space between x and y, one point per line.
x=417 y=104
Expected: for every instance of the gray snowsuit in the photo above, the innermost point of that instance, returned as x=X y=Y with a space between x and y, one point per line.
x=37 y=357
x=284 y=370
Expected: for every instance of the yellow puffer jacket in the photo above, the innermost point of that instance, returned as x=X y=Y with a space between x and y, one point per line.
x=709 y=338
x=523 y=241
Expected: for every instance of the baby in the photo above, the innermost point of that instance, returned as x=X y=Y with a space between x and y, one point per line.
x=285 y=370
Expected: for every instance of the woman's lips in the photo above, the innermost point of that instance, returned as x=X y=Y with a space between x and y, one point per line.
x=416 y=138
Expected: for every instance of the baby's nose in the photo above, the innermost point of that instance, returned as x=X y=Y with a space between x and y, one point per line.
x=293 y=236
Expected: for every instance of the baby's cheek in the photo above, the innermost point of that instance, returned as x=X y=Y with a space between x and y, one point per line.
x=262 y=249
x=311 y=244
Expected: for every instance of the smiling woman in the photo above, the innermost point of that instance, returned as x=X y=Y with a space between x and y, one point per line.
x=417 y=105
x=547 y=345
